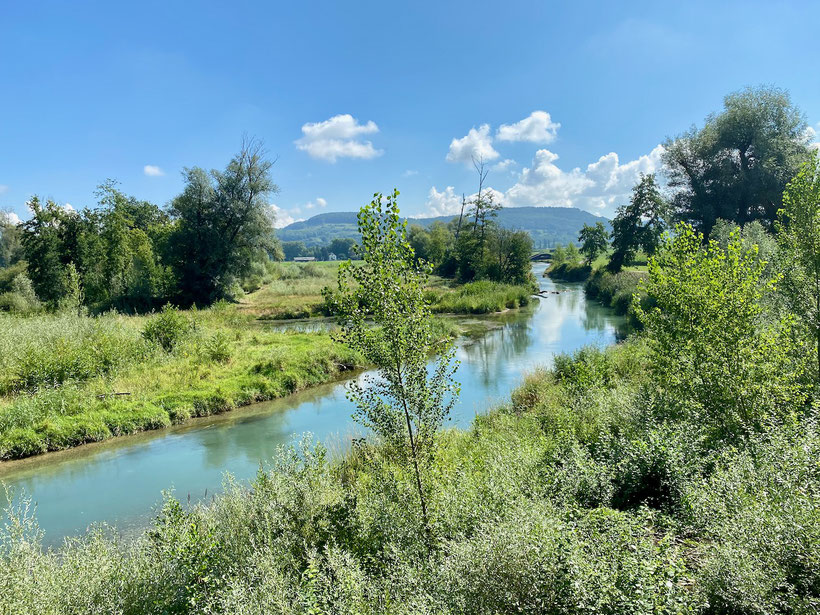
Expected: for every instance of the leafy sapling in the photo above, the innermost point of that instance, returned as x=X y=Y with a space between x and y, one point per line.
x=384 y=315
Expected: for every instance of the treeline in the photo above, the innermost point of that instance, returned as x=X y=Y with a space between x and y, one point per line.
x=340 y=248
x=132 y=254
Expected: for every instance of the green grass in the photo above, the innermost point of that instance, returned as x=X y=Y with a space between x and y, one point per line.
x=59 y=374
x=480 y=297
x=572 y=497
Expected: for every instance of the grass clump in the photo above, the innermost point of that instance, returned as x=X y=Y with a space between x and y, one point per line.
x=481 y=297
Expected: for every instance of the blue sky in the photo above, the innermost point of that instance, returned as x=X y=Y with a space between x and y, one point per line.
x=568 y=101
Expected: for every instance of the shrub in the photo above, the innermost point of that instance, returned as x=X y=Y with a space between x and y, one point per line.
x=217 y=348
x=167 y=329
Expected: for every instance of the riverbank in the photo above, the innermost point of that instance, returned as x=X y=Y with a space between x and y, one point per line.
x=68 y=380
x=569 y=497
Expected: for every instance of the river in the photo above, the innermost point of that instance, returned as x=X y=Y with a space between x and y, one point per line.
x=119 y=482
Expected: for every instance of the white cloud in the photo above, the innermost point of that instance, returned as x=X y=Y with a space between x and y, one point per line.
x=337 y=138
x=9 y=217
x=3 y=188
x=537 y=128
x=409 y=173
x=504 y=165
x=152 y=170
x=68 y=207
x=444 y=202
x=601 y=187
x=283 y=217
x=320 y=202
x=478 y=144
x=447 y=202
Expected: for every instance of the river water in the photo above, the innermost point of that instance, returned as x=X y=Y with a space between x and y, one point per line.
x=119 y=482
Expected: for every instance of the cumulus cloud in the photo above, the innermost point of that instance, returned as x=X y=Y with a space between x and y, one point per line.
x=9 y=217
x=478 y=144
x=446 y=202
x=504 y=165
x=320 y=202
x=599 y=188
x=151 y=170
x=337 y=138
x=284 y=217
x=538 y=127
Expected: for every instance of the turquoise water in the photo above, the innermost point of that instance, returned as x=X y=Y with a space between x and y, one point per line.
x=120 y=482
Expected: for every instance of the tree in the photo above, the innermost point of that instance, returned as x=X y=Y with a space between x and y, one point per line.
x=638 y=225
x=48 y=242
x=594 y=241
x=737 y=166
x=342 y=248
x=384 y=314
x=11 y=247
x=714 y=360
x=509 y=253
x=292 y=249
x=798 y=233
x=223 y=223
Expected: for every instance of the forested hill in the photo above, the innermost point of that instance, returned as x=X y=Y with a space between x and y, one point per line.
x=547 y=225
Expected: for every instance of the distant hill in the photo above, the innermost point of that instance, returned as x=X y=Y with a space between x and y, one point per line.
x=548 y=226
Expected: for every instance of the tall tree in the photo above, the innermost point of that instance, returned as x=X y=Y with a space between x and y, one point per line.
x=223 y=222
x=737 y=166
x=638 y=225
x=798 y=233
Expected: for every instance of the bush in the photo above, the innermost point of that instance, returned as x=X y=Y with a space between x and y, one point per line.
x=167 y=329
x=217 y=348
x=569 y=272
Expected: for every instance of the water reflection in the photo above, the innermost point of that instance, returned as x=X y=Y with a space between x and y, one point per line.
x=120 y=481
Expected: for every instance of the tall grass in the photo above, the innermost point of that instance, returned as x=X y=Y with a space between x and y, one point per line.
x=480 y=297
x=66 y=380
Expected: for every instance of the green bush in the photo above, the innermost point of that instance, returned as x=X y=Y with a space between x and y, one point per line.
x=569 y=272
x=167 y=329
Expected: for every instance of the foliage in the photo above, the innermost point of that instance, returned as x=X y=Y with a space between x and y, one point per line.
x=717 y=358
x=737 y=166
x=384 y=315
x=594 y=241
x=617 y=290
x=167 y=329
x=566 y=272
x=798 y=234
x=223 y=224
x=638 y=225
x=481 y=297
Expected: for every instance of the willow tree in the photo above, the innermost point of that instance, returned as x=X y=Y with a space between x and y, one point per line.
x=384 y=314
